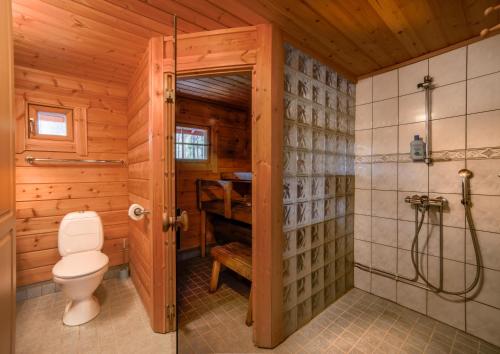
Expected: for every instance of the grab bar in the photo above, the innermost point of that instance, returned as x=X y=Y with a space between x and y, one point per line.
x=32 y=160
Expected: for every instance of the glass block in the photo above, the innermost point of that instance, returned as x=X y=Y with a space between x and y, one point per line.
x=351 y=125
x=303 y=189
x=318 y=164
x=291 y=81
x=329 y=209
x=303 y=239
x=349 y=280
x=340 y=186
x=304 y=87
x=317 y=280
x=290 y=135
x=339 y=248
x=351 y=89
x=289 y=216
x=303 y=261
x=331 y=119
x=329 y=251
x=339 y=287
x=318 y=93
x=339 y=267
x=317 y=234
x=329 y=294
x=289 y=162
x=340 y=207
x=329 y=273
x=339 y=226
x=303 y=213
x=340 y=165
x=305 y=64
x=330 y=99
x=341 y=145
x=349 y=262
x=341 y=84
x=349 y=244
x=351 y=108
x=349 y=224
x=317 y=254
x=291 y=57
x=289 y=190
x=318 y=140
x=349 y=204
x=304 y=137
x=317 y=211
x=304 y=312
x=349 y=166
x=331 y=78
x=290 y=296
x=289 y=270
x=317 y=303
x=330 y=186
x=350 y=146
x=290 y=321
x=289 y=243
x=318 y=72
x=304 y=288
x=304 y=112
x=329 y=230
x=318 y=116
x=330 y=142
x=290 y=107
x=330 y=164
x=342 y=123
x=304 y=162
x=317 y=187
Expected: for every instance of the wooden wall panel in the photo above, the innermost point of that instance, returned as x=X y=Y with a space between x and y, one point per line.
x=232 y=129
x=139 y=180
x=44 y=194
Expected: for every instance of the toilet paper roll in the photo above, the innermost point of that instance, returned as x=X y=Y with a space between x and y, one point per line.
x=136 y=212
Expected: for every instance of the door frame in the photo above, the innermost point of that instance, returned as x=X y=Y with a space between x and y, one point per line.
x=7 y=189
x=258 y=49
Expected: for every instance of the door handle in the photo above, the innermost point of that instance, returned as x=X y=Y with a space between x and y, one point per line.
x=181 y=221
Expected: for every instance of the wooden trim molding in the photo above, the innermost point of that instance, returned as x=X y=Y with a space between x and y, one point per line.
x=258 y=49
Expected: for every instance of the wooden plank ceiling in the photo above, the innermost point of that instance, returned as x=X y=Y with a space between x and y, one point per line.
x=234 y=90
x=104 y=39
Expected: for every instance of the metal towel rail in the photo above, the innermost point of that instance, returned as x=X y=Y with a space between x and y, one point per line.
x=32 y=160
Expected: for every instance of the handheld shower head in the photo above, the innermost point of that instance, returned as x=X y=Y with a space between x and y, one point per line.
x=466 y=175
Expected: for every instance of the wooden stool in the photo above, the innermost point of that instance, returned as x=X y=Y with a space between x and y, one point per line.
x=237 y=257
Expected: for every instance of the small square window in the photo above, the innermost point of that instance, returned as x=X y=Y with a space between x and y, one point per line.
x=191 y=143
x=50 y=123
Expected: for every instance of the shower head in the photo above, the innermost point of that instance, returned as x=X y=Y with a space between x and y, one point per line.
x=465 y=173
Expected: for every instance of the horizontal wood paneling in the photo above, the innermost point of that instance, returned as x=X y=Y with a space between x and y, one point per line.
x=45 y=193
x=233 y=136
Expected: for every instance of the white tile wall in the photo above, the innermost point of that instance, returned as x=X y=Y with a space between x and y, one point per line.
x=465 y=132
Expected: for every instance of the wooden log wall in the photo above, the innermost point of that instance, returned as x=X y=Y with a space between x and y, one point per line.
x=233 y=153
x=44 y=194
x=140 y=180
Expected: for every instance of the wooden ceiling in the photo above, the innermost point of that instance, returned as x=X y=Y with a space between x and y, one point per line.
x=104 y=39
x=234 y=89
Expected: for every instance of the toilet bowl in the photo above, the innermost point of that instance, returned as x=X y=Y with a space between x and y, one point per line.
x=82 y=266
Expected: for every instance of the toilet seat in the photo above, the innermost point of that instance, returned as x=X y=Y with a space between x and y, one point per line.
x=80 y=264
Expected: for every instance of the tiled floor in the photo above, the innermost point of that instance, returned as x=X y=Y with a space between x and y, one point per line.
x=357 y=323
x=121 y=327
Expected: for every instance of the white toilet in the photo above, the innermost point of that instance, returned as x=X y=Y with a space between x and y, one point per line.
x=82 y=267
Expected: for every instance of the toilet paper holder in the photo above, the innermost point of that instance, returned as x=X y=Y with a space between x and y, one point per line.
x=138 y=211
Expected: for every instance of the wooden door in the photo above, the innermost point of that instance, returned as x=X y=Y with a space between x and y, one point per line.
x=7 y=202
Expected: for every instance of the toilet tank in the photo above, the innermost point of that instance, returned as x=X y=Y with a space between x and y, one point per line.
x=80 y=231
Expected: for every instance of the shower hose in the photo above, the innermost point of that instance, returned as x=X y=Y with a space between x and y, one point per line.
x=414 y=248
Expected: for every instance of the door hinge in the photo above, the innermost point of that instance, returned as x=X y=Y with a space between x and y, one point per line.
x=169 y=96
x=170 y=312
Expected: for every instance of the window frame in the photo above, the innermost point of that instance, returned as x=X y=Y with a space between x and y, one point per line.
x=201 y=165
x=32 y=122
x=207 y=145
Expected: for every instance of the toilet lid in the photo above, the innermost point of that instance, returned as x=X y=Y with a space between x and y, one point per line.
x=80 y=264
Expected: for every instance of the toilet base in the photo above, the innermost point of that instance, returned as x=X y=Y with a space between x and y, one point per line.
x=81 y=311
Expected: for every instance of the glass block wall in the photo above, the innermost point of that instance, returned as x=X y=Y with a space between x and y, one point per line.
x=318 y=187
